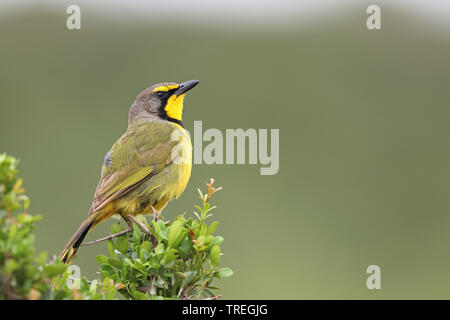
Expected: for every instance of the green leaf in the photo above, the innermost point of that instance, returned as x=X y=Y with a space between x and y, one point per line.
x=214 y=256
x=189 y=276
x=161 y=225
x=169 y=256
x=196 y=214
x=116 y=228
x=146 y=245
x=180 y=276
x=209 y=239
x=157 y=231
x=217 y=241
x=184 y=247
x=84 y=285
x=160 y=248
x=200 y=194
x=111 y=294
x=203 y=229
x=128 y=262
x=115 y=263
x=180 y=237
x=136 y=234
x=225 y=272
x=201 y=238
x=102 y=259
x=54 y=270
x=212 y=227
x=122 y=244
x=108 y=271
x=111 y=248
x=137 y=294
x=174 y=231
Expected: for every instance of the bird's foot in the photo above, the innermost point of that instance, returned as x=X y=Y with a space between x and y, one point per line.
x=145 y=229
x=156 y=214
x=129 y=220
x=140 y=224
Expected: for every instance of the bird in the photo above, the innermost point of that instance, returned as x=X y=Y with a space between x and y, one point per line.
x=149 y=165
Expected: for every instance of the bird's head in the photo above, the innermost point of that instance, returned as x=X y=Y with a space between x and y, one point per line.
x=162 y=101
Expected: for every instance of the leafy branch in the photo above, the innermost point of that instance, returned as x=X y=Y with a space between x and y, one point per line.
x=180 y=260
x=182 y=264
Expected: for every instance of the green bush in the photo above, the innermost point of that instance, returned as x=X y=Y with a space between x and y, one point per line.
x=179 y=260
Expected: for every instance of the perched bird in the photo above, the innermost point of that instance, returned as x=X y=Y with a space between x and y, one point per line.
x=148 y=166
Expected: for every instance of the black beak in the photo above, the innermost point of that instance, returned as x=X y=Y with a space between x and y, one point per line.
x=186 y=86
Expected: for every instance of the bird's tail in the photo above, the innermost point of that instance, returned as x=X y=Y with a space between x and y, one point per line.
x=77 y=238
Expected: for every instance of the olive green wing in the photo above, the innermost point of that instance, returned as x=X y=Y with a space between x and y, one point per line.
x=142 y=152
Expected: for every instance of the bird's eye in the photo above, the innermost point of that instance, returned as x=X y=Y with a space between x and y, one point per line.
x=160 y=94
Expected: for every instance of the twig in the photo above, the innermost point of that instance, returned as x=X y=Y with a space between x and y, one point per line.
x=118 y=234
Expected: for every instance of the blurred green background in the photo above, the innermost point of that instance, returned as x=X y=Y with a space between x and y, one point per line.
x=364 y=139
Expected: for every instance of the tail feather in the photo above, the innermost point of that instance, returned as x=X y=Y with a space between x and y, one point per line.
x=77 y=239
